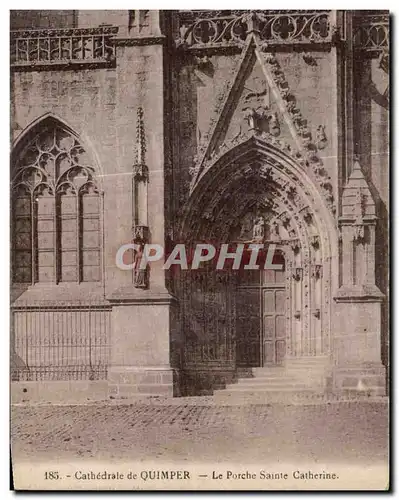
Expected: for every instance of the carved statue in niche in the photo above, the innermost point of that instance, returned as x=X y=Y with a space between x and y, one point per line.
x=321 y=138
x=246 y=227
x=274 y=125
x=140 y=276
x=275 y=231
x=258 y=231
x=256 y=104
x=358 y=210
x=358 y=233
x=358 y=206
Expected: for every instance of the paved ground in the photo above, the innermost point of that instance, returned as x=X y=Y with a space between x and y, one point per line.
x=351 y=432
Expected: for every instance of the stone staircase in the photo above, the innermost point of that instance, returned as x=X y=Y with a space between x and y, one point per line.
x=299 y=379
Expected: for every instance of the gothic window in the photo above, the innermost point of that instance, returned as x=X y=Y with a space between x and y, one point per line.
x=55 y=211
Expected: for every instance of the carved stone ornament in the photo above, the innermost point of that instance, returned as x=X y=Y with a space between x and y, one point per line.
x=219 y=30
x=89 y=47
x=307 y=216
x=317 y=271
x=258 y=232
x=321 y=138
x=264 y=123
x=315 y=241
x=58 y=146
x=358 y=232
x=255 y=117
x=275 y=231
x=358 y=212
x=140 y=234
x=141 y=172
x=316 y=313
x=140 y=169
x=296 y=246
x=297 y=274
x=140 y=271
x=274 y=125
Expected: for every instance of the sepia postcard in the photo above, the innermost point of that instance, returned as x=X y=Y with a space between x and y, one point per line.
x=199 y=249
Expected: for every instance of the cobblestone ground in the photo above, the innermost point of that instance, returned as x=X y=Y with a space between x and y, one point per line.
x=353 y=432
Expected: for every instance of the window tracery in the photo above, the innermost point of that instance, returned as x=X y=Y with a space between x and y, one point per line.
x=56 y=211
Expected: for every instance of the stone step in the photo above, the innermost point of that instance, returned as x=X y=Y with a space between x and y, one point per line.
x=269 y=372
x=268 y=380
x=370 y=391
x=281 y=380
x=307 y=360
x=367 y=371
x=266 y=390
x=288 y=371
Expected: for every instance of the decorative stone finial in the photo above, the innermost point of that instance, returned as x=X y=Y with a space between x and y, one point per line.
x=140 y=167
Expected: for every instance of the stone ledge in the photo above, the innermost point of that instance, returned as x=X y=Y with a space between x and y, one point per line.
x=363 y=293
x=139 y=40
x=128 y=295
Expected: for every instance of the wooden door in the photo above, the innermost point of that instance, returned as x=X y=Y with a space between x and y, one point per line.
x=248 y=321
x=274 y=317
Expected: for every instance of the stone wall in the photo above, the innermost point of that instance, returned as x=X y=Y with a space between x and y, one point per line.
x=184 y=91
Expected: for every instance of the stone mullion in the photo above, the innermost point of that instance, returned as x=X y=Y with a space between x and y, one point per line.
x=297 y=286
x=57 y=237
x=288 y=322
x=33 y=238
x=316 y=287
x=79 y=237
x=315 y=274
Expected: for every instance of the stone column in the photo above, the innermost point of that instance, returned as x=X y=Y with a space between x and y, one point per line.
x=297 y=300
x=317 y=273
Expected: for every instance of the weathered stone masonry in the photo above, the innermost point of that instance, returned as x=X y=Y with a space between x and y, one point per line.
x=186 y=126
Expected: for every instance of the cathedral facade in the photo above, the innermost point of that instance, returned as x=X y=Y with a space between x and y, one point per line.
x=199 y=127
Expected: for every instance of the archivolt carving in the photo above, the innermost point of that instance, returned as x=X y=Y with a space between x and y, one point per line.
x=296 y=208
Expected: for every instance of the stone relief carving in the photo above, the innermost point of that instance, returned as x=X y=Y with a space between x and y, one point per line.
x=202 y=30
x=258 y=232
x=275 y=231
x=358 y=212
x=317 y=271
x=321 y=138
x=47 y=47
x=264 y=123
x=315 y=241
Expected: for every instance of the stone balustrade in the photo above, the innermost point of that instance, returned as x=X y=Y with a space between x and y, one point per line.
x=88 y=46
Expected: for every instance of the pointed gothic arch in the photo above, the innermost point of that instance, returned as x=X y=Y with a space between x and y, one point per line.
x=49 y=118
x=56 y=206
x=257 y=173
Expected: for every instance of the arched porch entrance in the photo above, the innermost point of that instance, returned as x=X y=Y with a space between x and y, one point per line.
x=234 y=319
